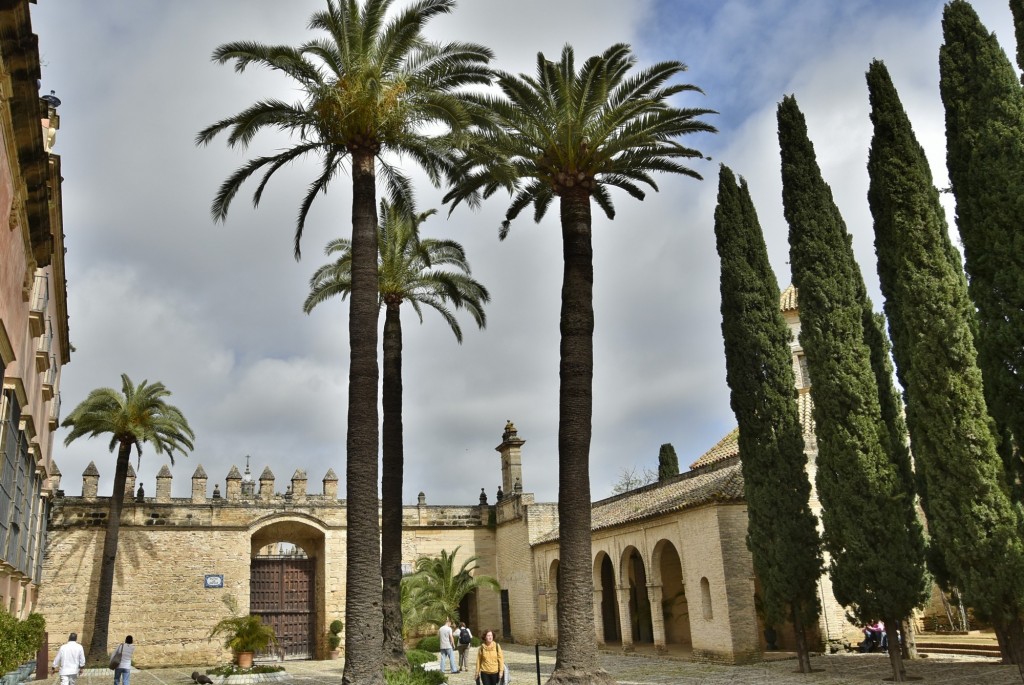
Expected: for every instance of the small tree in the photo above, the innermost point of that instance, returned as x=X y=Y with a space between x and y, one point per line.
x=668 y=462
x=633 y=478
x=435 y=590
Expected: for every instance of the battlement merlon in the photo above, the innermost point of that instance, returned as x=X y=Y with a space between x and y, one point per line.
x=233 y=490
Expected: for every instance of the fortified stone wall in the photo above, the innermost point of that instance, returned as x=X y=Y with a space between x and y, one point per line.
x=168 y=546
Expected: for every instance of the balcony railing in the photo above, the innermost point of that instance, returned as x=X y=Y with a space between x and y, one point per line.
x=40 y=301
x=44 y=347
x=54 y=417
x=50 y=378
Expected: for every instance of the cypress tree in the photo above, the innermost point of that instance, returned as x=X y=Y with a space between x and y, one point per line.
x=875 y=545
x=970 y=515
x=984 y=106
x=668 y=462
x=782 y=532
x=1017 y=9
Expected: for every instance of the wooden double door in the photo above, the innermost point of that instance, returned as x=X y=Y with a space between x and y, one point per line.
x=282 y=592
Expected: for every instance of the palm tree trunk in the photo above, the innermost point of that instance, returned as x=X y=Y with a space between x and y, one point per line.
x=105 y=591
x=576 y=659
x=363 y=615
x=391 y=487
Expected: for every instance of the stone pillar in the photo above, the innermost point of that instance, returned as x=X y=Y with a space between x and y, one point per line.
x=90 y=481
x=233 y=485
x=331 y=485
x=511 y=460
x=199 y=485
x=654 y=594
x=266 y=491
x=129 y=483
x=625 y=620
x=599 y=617
x=299 y=485
x=163 y=484
x=55 y=475
x=552 y=606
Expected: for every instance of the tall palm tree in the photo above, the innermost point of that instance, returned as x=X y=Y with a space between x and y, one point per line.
x=436 y=588
x=410 y=270
x=573 y=135
x=133 y=416
x=372 y=85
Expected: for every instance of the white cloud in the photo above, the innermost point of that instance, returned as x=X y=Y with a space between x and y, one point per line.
x=158 y=291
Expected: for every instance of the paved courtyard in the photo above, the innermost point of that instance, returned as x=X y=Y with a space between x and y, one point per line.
x=648 y=670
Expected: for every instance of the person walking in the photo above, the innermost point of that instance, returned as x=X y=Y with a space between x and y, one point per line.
x=490 y=662
x=465 y=638
x=123 y=656
x=447 y=647
x=70 y=660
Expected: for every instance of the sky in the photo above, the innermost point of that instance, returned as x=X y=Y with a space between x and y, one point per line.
x=158 y=291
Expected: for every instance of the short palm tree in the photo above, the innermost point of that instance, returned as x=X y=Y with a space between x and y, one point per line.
x=573 y=136
x=137 y=414
x=410 y=270
x=435 y=588
x=372 y=85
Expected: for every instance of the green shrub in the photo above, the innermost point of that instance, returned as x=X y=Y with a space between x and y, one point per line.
x=336 y=627
x=416 y=676
x=334 y=634
x=431 y=643
x=22 y=639
x=418 y=657
x=232 y=669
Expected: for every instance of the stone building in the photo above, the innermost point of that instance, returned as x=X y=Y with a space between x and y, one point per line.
x=671 y=567
x=33 y=308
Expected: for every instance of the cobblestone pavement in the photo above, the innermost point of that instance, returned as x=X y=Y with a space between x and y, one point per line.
x=840 y=669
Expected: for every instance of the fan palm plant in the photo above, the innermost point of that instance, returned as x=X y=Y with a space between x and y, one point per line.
x=372 y=85
x=137 y=414
x=436 y=588
x=574 y=135
x=410 y=270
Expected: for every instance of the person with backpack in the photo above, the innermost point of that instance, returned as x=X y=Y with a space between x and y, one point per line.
x=465 y=639
x=490 y=662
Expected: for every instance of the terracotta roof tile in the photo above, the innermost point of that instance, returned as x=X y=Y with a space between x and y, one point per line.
x=788 y=299
x=685 y=491
x=727 y=447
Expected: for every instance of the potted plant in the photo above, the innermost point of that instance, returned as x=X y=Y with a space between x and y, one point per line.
x=334 y=638
x=244 y=635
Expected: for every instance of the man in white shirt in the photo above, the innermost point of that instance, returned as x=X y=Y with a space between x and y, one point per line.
x=447 y=647
x=70 y=659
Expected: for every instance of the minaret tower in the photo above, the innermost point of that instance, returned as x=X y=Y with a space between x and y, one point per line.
x=511 y=460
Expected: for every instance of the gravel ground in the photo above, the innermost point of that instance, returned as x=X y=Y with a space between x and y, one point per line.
x=839 y=669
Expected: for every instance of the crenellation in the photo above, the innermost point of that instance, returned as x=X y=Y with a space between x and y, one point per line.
x=129 y=482
x=163 y=484
x=90 y=481
x=199 y=485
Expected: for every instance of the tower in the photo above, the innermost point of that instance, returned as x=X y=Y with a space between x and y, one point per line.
x=511 y=460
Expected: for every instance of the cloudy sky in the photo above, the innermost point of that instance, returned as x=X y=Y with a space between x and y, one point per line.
x=158 y=291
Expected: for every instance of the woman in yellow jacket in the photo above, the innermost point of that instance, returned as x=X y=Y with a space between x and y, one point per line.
x=490 y=662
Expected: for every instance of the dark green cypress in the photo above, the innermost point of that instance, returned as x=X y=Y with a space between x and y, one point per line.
x=782 y=532
x=984 y=106
x=1017 y=9
x=970 y=515
x=668 y=462
x=872 y=537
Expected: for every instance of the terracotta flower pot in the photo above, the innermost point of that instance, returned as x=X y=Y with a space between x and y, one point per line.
x=245 y=659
